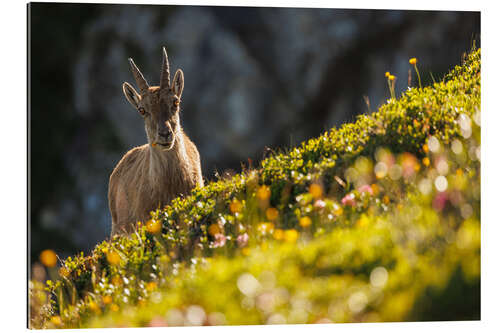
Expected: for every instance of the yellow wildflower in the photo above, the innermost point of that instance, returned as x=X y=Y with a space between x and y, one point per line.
x=48 y=258
x=413 y=61
x=263 y=193
x=151 y=286
x=113 y=257
x=337 y=210
x=235 y=206
x=94 y=307
x=278 y=234
x=272 y=213
x=387 y=74
x=305 y=221
x=265 y=227
x=56 y=320
x=316 y=191
x=63 y=271
x=214 y=229
x=392 y=77
x=291 y=235
x=117 y=281
x=107 y=300
x=153 y=226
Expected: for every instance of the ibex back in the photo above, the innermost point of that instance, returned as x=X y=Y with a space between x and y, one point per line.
x=150 y=176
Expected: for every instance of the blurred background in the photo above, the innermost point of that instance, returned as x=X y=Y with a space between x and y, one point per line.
x=256 y=80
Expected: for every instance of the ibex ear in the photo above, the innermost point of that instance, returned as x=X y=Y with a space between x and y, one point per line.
x=178 y=84
x=131 y=95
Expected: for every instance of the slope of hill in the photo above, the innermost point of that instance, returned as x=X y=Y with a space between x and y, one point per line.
x=378 y=220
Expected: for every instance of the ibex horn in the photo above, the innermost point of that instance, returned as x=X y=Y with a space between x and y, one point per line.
x=165 y=71
x=139 y=78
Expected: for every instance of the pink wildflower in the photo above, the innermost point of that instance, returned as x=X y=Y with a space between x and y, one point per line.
x=242 y=240
x=439 y=201
x=220 y=240
x=366 y=189
x=158 y=321
x=409 y=164
x=348 y=200
x=319 y=204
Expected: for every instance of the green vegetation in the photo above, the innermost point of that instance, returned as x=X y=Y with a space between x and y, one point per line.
x=378 y=220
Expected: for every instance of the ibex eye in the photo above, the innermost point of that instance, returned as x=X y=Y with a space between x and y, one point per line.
x=176 y=102
x=142 y=111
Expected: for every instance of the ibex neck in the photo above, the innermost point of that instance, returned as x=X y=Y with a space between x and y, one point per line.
x=167 y=163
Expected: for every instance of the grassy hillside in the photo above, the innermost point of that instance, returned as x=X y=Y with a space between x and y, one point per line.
x=378 y=220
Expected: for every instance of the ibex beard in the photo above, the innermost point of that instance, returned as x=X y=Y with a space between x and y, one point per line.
x=150 y=176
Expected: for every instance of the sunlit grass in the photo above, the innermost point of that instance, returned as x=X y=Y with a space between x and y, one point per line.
x=378 y=220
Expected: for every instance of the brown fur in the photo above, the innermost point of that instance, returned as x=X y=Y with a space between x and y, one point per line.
x=147 y=178
x=150 y=176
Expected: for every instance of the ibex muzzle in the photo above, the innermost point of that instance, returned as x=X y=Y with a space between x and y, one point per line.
x=150 y=176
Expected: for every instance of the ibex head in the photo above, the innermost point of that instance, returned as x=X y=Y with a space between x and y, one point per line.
x=159 y=106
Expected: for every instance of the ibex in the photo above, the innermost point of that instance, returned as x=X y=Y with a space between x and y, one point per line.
x=150 y=176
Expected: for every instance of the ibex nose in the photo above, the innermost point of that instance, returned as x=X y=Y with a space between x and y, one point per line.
x=166 y=134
